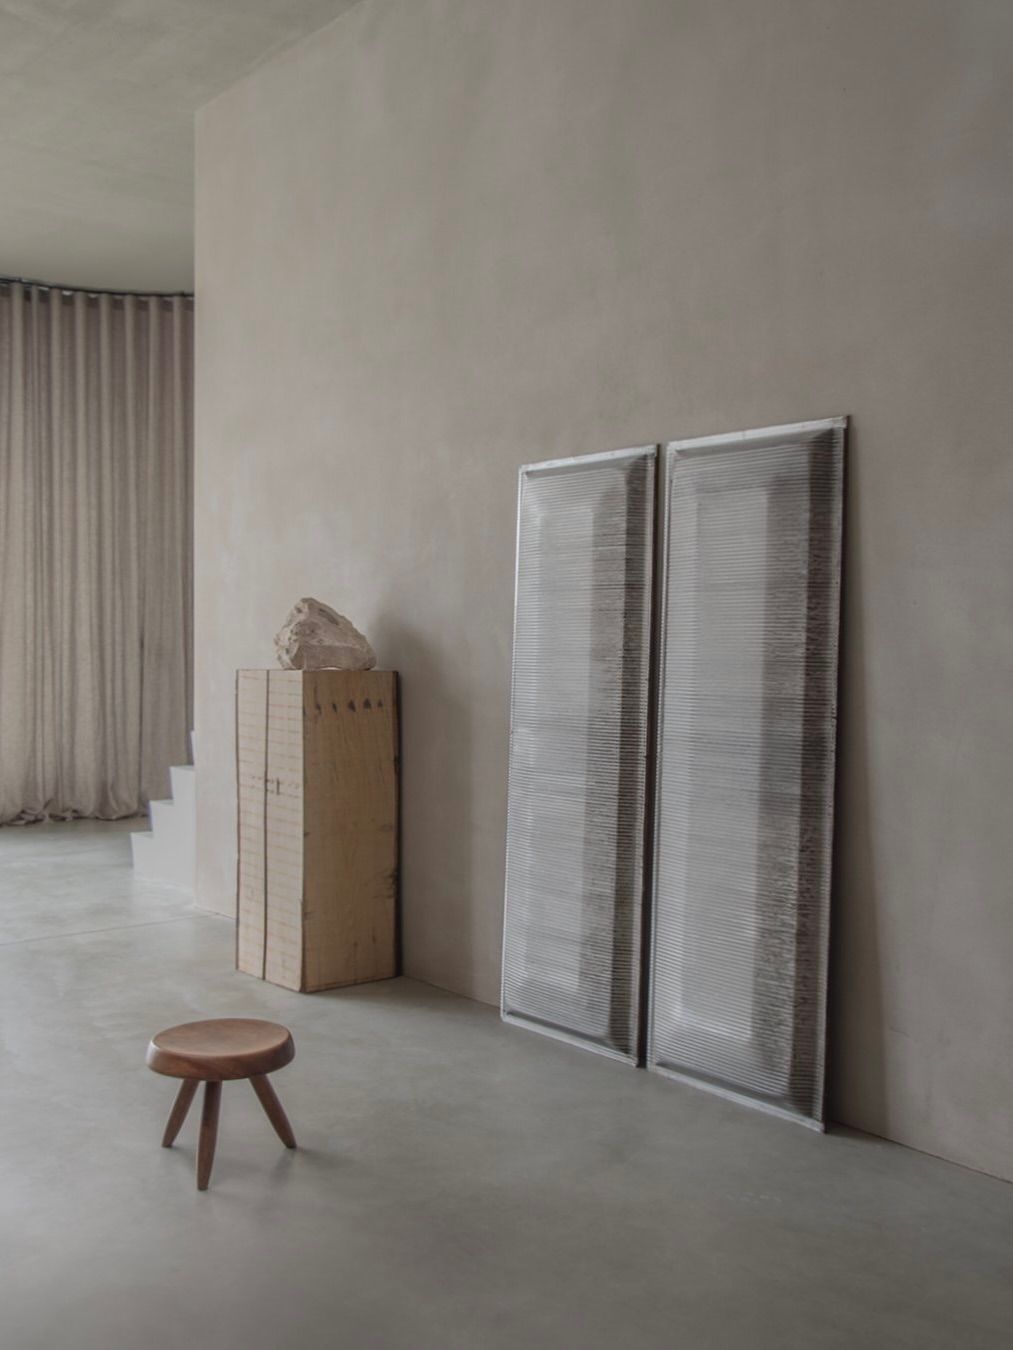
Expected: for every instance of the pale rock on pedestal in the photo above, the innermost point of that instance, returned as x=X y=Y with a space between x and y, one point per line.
x=316 y=637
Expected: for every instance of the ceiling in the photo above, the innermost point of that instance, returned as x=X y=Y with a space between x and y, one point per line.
x=97 y=100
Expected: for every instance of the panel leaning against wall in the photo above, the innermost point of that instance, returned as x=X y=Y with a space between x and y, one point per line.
x=745 y=762
x=578 y=741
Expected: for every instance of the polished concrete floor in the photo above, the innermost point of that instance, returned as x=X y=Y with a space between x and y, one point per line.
x=459 y=1184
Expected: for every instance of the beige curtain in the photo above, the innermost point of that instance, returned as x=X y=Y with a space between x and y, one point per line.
x=96 y=547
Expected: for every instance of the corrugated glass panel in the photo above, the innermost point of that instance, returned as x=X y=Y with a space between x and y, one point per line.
x=745 y=762
x=578 y=744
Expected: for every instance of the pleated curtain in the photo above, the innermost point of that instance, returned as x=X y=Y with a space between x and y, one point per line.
x=96 y=548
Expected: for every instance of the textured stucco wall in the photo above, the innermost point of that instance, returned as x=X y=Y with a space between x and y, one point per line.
x=445 y=237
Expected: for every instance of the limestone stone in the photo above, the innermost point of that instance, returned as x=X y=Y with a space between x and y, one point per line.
x=316 y=637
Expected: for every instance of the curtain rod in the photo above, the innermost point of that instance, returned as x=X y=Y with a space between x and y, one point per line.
x=93 y=290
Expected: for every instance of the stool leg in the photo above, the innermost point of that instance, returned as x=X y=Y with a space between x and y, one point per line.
x=208 y=1133
x=187 y=1091
x=275 y=1111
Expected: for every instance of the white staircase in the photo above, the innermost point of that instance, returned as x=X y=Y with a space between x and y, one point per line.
x=168 y=851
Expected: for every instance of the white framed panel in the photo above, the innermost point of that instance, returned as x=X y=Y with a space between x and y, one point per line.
x=747 y=701
x=578 y=745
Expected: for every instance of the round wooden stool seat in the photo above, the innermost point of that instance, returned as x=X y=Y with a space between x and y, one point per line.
x=214 y=1052
x=221 y=1049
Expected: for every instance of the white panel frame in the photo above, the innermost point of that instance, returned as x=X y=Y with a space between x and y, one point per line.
x=510 y=1016
x=674 y=450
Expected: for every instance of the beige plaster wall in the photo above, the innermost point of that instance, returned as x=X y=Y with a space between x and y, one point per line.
x=445 y=237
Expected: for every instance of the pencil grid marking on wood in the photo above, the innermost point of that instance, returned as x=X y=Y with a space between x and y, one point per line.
x=251 y=759
x=318 y=847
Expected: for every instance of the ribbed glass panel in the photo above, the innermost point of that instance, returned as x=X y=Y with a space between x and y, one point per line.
x=578 y=740
x=745 y=762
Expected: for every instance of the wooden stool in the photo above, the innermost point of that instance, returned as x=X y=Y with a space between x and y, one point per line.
x=214 y=1052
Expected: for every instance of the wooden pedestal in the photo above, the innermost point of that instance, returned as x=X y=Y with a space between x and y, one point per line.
x=318 y=826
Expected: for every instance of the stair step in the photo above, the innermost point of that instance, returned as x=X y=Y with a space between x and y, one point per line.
x=140 y=845
x=184 y=786
x=168 y=851
x=153 y=859
x=173 y=824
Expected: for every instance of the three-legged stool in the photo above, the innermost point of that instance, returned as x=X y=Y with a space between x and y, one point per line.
x=214 y=1052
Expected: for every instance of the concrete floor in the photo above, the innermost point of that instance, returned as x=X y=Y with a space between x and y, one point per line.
x=458 y=1183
